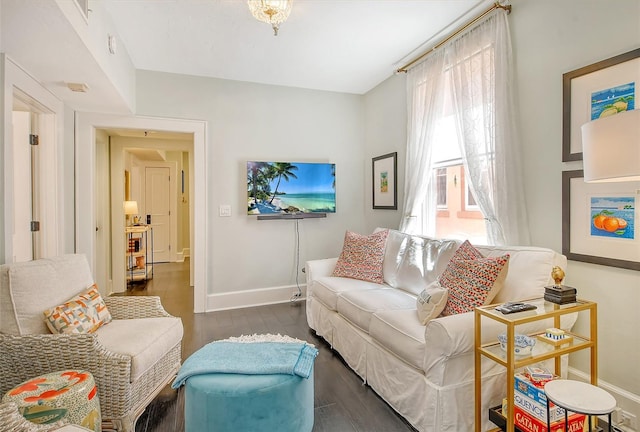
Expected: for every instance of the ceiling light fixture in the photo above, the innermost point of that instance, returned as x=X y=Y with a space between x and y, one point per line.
x=273 y=12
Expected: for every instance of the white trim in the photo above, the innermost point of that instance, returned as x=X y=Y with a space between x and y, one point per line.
x=86 y=125
x=253 y=297
x=626 y=400
x=180 y=256
x=51 y=124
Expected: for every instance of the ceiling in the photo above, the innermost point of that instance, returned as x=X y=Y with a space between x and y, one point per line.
x=345 y=46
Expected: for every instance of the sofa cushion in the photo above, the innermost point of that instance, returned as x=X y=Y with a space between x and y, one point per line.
x=359 y=306
x=400 y=332
x=431 y=302
x=412 y=262
x=84 y=313
x=146 y=340
x=328 y=288
x=394 y=250
x=362 y=256
x=422 y=263
x=529 y=270
x=28 y=288
x=471 y=279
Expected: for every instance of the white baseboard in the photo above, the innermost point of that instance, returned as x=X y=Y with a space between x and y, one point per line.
x=180 y=256
x=254 y=297
x=626 y=400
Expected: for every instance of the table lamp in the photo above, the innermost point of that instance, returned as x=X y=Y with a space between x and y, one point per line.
x=611 y=148
x=130 y=208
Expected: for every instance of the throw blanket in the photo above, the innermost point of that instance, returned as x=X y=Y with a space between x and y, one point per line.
x=250 y=355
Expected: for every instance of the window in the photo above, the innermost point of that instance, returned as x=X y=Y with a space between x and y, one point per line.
x=458 y=214
x=441 y=186
x=472 y=71
x=470 y=202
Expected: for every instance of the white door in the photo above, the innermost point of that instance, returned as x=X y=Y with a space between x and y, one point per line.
x=157 y=198
x=22 y=192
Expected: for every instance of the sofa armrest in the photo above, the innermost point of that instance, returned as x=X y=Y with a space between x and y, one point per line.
x=319 y=268
x=132 y=307
x=27 y=356
x=454 y=335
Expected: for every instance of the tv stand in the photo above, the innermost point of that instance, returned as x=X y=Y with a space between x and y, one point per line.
x=292 y=216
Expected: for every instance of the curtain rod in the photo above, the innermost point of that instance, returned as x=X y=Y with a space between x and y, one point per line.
x=495 y=6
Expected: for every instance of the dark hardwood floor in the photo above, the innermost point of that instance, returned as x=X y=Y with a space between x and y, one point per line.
x=342 y=402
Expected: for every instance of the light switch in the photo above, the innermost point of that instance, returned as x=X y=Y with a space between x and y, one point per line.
x=225 y=210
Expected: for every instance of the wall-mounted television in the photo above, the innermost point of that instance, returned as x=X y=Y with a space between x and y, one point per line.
x=298 y=188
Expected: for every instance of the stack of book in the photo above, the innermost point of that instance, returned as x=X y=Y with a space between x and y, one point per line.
x=530 y=409
x=560 y=294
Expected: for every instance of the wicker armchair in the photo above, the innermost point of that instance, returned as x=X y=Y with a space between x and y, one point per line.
x=132 y=358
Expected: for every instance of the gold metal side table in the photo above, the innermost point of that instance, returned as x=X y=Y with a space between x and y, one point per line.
x=542 y=351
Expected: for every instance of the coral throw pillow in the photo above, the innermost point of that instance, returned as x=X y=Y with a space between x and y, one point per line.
x=472 y=280
x=84 y=313
x=362 y=256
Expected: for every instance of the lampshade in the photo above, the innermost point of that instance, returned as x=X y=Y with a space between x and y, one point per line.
x=611 y=148
x=131 y=207
x=273 y=12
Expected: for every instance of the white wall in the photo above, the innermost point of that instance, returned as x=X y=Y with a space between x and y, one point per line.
x=385 y=132
x=94 y=33
x=549 y=39
x=270 y=123
x=575 y=34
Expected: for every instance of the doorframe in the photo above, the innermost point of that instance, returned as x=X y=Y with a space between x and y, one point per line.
x=85 y=145
x=18 y=83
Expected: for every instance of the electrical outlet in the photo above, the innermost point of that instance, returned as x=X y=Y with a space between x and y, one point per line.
x=616 y=416
x=224 y=210
x=629 y=420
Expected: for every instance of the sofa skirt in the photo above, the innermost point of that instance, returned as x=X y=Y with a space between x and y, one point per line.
x=426 y=406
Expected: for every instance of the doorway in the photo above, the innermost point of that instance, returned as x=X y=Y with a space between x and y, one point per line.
x=89 y=125
x=33 y=180
x=151 y=161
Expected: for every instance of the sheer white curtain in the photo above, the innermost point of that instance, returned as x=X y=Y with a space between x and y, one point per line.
x=480 y=64
x=424 y=107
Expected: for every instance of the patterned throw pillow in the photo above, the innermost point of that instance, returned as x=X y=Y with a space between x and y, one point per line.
x=362 y=257
x=471 y=279
x=431 y=302
x=84 y=313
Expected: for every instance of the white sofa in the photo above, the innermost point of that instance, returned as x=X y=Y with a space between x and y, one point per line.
x=426 y=373
x=132 y=358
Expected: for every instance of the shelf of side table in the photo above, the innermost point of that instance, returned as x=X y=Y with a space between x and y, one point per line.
x=542 y=351
x=143 y=234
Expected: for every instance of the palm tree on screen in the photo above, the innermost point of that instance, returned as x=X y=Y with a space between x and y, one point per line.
x=256 y=179
x=282 y=170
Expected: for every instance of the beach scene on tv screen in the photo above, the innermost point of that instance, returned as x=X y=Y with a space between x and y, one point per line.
x=290 y=187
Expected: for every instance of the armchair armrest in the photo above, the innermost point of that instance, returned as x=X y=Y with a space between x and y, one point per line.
x=23 y=357
x=135 y=307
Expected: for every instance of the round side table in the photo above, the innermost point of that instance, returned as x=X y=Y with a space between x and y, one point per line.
x=67 y=396
x=579 y=397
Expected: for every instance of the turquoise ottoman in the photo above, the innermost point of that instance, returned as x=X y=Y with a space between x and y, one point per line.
x=248 y=403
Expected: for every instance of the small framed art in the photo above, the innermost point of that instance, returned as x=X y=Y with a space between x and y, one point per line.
x=385 y=182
